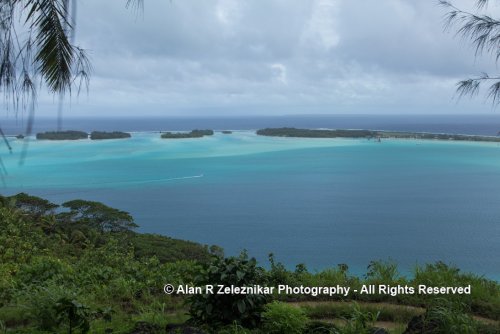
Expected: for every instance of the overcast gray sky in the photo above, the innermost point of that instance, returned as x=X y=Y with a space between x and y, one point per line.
x=272 y=57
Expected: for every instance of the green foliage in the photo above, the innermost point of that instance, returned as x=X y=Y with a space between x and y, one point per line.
x=282 y=318
x=342 y=133
x=485 y=294
x=19 y=241
x=46 y=278
x=382 y=272
x=74 y=313
x=42 y=269
x=99 y=135
x=33 y=205
x=278 y=273
x=343 y=310
x=223 y=309
x=182 y=135
x=319 y=327
x=50 y=268
x=167 y=249
x=43 y=303
x=234 y=328
x=359 y=321
x=98 y=216
x=62 y=135
x=449 y=320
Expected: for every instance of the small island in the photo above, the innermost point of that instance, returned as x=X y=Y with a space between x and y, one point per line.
x=99 y=135
x=369 y=134
x=182 y=135
x=62 y=135
x=226 y=132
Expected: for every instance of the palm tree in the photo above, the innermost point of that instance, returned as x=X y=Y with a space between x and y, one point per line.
x=35 y=42
x=36 y=45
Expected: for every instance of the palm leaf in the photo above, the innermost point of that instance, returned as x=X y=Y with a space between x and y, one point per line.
x=55 y=54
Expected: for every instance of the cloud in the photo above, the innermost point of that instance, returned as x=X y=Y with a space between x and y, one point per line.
x=273 y=56
x=279 y=72
x=321 y=30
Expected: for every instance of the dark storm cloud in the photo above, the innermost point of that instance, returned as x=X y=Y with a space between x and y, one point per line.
x=179 y=57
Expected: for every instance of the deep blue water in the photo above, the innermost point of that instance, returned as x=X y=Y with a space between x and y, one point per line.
x=316 y=201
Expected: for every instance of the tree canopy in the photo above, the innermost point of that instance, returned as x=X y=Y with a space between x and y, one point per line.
x=98 y=215
x=33 y=205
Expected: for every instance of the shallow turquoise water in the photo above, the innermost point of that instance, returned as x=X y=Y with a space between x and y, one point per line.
x=317 y=201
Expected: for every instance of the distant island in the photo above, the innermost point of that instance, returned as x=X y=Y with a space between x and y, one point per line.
x=62 y=135
x=75 y=135
x=369 y=134
x=227 y=132
x=182 y=135
x=99 y=135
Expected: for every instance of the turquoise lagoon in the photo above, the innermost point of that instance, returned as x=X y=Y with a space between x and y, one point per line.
x=315 y=201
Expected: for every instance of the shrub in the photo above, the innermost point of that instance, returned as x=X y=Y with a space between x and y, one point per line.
x=44 y=268
x=278 y=273
x=217 y=310
x=43 y=305
x=359 y=321
x=444 y=320
x=383 y=272
x=73 y=314
x=282 y=318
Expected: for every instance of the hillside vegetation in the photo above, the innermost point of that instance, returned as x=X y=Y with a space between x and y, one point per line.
x=79 y=267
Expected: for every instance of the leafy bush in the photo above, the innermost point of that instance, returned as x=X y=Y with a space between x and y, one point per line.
x=383 y=272
x=222 y=309
x=277 y=274
x=485 y=294
x=44 y=268
x=167 y=249
x=73 y=314
x=444 y=320
x=48 y=306
x=359 y=321
x=282 y=318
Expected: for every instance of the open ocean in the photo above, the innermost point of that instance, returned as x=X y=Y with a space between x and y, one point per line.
x=315 y=201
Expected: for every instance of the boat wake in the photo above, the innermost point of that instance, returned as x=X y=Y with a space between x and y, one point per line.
x=116 y=183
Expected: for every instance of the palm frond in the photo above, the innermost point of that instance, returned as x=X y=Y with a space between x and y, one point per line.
x=83 y=69
x=481 y=4
x=494 y=93
x=54 y=56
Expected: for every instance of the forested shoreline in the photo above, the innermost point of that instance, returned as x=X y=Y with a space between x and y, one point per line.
x=369 y=134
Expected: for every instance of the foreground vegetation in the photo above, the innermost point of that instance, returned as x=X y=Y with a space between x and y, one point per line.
x=79 y=267
x=310 y=133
